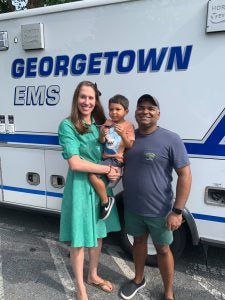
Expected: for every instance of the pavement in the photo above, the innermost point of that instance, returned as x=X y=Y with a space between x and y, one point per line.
x=35 y=266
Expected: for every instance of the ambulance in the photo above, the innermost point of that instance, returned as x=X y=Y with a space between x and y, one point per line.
x=173 y=50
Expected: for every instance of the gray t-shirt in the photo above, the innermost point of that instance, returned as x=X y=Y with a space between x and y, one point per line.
x=148 y=170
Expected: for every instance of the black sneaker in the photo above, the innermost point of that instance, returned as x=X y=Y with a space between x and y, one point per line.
x=130 y=289
x=106 y=208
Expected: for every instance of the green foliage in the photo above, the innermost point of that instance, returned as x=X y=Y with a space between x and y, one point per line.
x=53 y=2
x=6 y=5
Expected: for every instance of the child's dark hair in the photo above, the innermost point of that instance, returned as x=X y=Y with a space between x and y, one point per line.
x=120 y=99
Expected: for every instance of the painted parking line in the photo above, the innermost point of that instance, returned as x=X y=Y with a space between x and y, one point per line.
x=1 y=277
x=121 y=263
x=126 y=270
x=61 y=268
x=209 y=287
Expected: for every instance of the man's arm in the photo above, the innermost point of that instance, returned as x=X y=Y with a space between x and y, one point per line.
x=182 y=192
x=183 y=186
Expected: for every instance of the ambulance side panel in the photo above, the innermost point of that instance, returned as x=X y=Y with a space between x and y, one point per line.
x=129 y=47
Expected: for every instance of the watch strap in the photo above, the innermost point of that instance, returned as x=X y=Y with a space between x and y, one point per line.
x=177 y=211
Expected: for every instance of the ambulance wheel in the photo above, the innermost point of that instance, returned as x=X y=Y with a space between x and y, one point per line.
x=177 y=247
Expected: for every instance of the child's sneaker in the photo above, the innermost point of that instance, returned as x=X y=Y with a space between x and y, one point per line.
x=106 y=208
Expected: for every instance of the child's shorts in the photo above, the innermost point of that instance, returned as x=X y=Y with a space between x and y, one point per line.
x=112 y=161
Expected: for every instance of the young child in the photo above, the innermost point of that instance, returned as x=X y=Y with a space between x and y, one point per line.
x=117 y=134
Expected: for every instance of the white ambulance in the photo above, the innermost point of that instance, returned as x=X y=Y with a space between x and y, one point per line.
x=173 y=50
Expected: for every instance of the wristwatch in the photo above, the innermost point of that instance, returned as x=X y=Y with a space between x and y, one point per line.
x=177 y=211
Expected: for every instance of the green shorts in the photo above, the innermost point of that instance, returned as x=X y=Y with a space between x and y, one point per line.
x=137 y=225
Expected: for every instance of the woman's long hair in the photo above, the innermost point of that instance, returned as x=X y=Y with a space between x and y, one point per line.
x=97 y=113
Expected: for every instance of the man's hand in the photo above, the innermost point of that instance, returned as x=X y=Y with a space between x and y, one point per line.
x=174 y=221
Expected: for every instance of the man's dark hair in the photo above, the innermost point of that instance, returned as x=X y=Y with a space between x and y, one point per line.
x=120 y=99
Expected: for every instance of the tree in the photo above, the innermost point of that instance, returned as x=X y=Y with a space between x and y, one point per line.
x=6 y=5
x=40 y=3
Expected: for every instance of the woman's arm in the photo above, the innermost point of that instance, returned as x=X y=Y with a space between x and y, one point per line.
x=81 y=165
x=70 y=144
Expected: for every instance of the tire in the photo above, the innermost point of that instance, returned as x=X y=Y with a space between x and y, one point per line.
x=179 y=241
x=177 y=247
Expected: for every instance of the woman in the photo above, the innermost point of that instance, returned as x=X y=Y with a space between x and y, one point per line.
x=80 y=224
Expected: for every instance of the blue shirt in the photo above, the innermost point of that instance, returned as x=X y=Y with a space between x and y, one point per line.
x=148 y=171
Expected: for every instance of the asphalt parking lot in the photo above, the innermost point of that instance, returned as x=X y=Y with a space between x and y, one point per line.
x=34 y=265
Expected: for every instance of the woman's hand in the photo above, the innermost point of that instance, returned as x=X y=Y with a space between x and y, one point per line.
x=114 y=173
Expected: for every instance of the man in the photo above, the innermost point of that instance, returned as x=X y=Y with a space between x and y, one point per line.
x=148 y=195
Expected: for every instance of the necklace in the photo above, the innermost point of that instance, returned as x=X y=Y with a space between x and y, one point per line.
x=85 y=124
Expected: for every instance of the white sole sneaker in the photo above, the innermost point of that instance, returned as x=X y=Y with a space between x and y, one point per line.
x=134 y=288
x=112 y=200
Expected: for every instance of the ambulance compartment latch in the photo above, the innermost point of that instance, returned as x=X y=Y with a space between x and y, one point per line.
x=33 y=178
x=2 y=124
x=57 y=181
x=4 y=42
x=215 y=195
x=11 y=124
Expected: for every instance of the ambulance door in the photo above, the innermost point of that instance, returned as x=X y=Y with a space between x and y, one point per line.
x=56 y=170
x=23 y=176
x=1 y=190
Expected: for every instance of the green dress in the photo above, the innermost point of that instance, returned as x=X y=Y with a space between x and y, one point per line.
x=80 y=224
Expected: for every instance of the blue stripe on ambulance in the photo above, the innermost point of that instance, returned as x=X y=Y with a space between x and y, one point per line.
x=213 y=142
x=210 y=146
x=31 y=191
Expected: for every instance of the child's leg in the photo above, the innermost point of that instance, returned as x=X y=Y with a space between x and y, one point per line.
x=100 y=187
x=106 y=201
